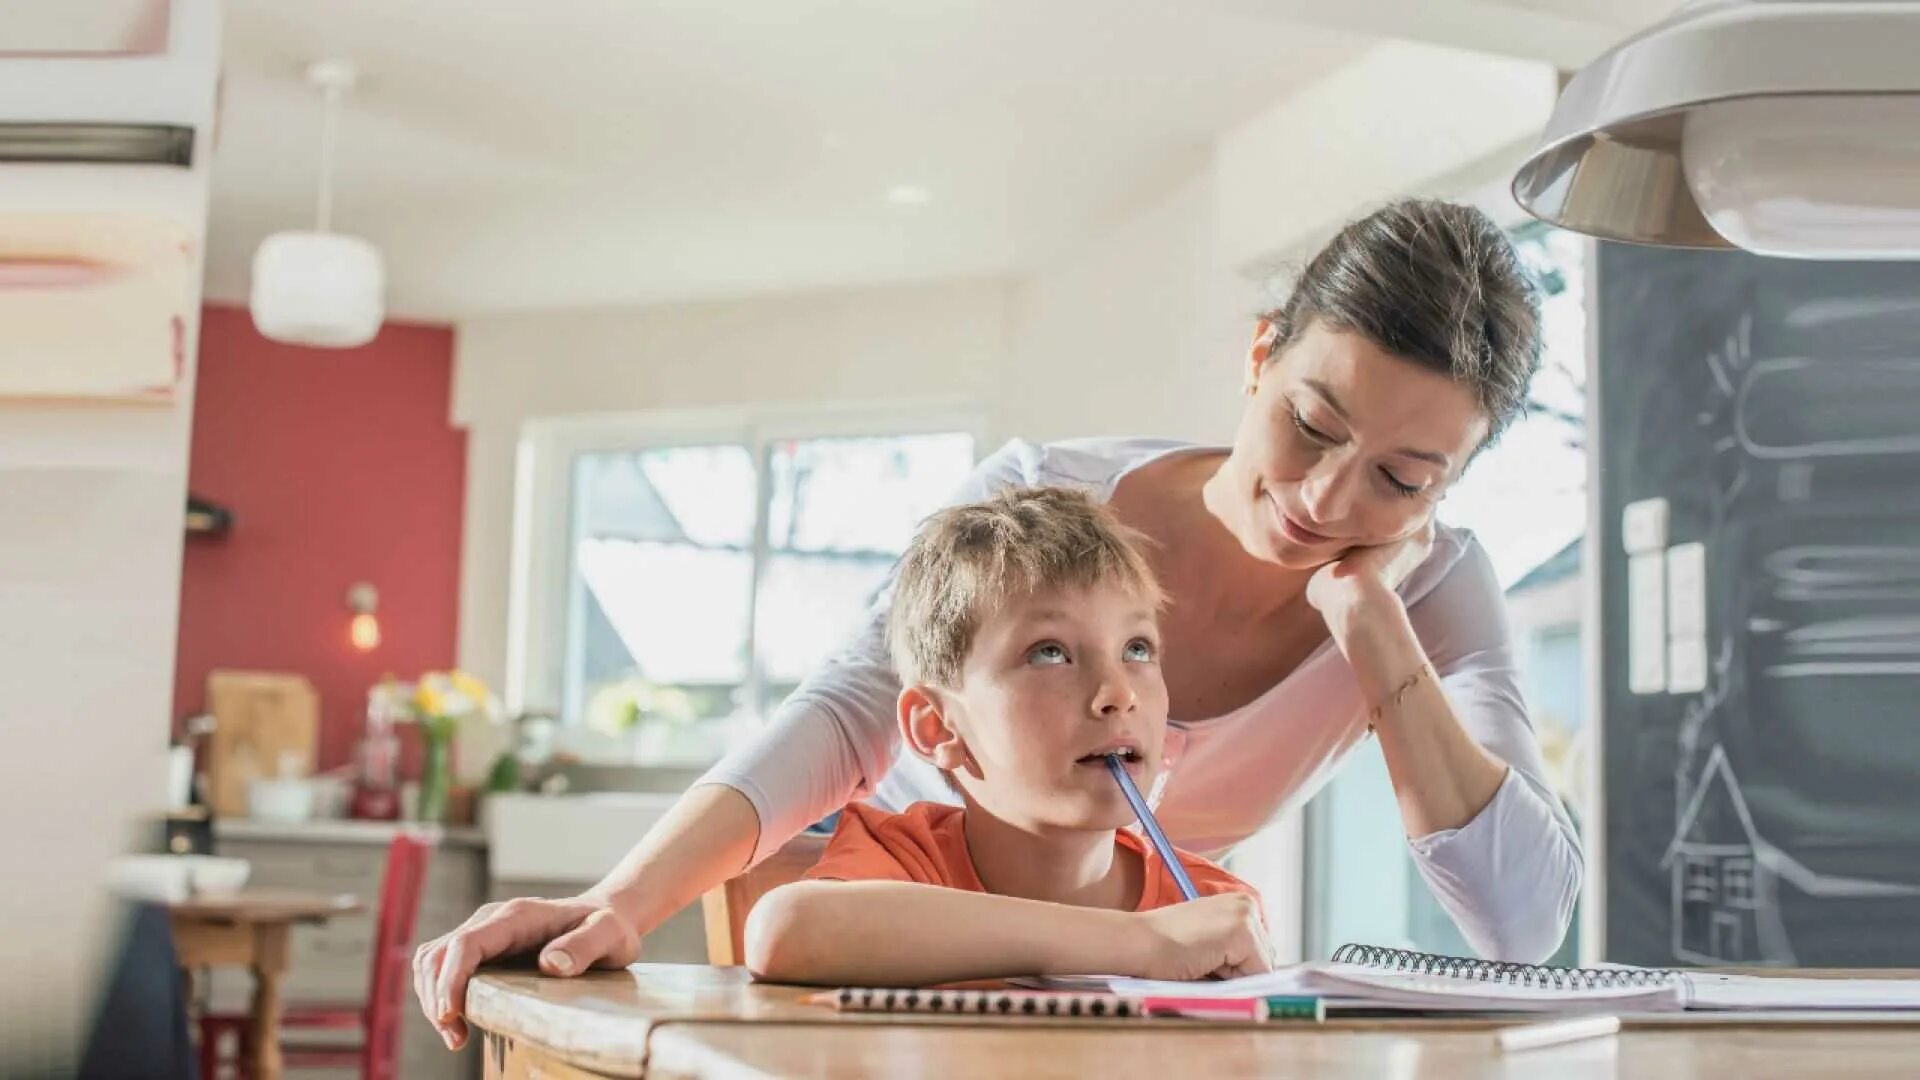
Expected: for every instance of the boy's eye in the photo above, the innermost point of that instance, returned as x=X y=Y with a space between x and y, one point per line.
x=1139 y=650
x=1050 y=652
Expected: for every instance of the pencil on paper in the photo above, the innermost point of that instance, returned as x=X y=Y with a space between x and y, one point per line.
x=1555 y=1032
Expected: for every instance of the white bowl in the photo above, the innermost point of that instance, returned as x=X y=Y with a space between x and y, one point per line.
x=282 y=799
x=215 y=875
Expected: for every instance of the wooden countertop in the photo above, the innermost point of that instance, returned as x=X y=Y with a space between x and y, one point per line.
x=265 y=906
x=687 y=1020
x=341 y=831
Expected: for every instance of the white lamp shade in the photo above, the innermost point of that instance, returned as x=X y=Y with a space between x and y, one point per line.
x=1822 y=177
x=1788 y=127
x=319 y=289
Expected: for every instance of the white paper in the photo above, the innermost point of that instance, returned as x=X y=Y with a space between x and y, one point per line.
x=1686 y=666
x=1687 y=591
x=1742 y=992
x=1647 y=623
x=1357 y=985
x=1643 y=526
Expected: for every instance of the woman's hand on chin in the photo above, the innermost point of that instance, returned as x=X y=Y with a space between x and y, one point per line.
x=1365 y=572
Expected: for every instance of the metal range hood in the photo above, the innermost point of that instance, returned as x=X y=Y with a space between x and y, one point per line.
x=96 y=144
x=1789 y=128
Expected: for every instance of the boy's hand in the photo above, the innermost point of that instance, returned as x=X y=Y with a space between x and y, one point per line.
x=1214 y=935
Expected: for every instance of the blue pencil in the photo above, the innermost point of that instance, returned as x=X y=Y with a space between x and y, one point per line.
x=1159 y=839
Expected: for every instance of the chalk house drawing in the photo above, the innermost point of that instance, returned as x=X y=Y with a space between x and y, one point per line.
x=1726 y=878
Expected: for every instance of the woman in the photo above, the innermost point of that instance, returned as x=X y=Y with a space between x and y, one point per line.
x=1313 y=602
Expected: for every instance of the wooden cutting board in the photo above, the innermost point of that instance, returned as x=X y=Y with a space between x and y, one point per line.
x=259 y=716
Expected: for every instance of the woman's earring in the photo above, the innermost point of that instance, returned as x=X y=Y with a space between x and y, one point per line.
x=1250 y=389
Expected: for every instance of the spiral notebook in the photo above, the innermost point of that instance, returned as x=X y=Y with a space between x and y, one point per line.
x=1370 y=977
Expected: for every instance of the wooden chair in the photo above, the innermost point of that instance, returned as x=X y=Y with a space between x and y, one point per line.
x=377 y=1054
x=725 y=908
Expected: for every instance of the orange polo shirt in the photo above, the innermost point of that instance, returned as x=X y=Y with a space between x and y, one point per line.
x=927 y=844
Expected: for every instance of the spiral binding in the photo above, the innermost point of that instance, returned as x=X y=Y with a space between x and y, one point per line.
x=1003 y=1002
x=1540 y=976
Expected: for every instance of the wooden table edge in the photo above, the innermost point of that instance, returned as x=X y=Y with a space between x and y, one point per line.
x=505 y=1016
x=263 y=907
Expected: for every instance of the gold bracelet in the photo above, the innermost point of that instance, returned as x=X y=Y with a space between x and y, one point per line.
x=1399 y=692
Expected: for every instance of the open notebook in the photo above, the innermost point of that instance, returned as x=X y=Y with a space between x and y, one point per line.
x=1368 y=977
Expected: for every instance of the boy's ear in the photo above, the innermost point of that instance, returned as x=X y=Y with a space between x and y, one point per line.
x=929 y=729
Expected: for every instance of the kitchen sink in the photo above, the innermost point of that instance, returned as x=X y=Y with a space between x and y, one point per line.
x=573 y=838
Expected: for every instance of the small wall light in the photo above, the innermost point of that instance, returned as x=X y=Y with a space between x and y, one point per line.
x=364 y=631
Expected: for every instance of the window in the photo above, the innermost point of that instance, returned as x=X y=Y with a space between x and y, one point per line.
x=1700 y=883
x=1736 y=881
x=684 y=577
x=1525 y=499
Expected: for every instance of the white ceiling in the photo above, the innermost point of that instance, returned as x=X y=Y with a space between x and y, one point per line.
x=511 y=155
x=578 y=152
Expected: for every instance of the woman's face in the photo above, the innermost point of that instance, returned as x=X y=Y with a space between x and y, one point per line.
x=1342 y=445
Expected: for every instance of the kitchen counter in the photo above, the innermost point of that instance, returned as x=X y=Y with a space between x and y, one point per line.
x=341 y=831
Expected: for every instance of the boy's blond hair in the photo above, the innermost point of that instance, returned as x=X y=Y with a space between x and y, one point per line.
x=968 y=559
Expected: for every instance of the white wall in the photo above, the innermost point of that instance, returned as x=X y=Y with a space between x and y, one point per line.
x=1404 y=118
x=1141 y=330
x=90 y=544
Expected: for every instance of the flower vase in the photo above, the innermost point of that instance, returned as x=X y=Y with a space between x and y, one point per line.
x=435 y=779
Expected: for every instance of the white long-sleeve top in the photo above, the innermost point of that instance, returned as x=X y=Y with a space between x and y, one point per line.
x=1508 y=877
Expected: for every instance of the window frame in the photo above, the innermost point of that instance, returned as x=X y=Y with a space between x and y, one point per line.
x=541 y=606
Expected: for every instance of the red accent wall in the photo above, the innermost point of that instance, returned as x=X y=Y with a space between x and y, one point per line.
x=340 y=465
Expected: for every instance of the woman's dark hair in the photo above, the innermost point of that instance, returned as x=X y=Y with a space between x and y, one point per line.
x=1433 y=282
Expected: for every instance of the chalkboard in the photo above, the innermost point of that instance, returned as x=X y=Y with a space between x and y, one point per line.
x=1765 y=810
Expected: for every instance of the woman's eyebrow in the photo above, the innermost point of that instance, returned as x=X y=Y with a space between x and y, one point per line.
x=1327 y=395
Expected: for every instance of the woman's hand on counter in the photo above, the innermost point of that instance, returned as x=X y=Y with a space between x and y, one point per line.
x=572 y=934
x=706 y=838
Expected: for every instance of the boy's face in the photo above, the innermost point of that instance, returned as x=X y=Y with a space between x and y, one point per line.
x=1053 y=683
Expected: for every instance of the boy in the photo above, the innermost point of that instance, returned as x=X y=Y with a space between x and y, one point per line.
x=1024 y=631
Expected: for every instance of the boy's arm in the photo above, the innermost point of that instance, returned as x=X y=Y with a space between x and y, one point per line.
x=889 y=933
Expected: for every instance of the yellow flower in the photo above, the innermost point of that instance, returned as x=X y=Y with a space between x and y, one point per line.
x=429 y=700
x=468 y=685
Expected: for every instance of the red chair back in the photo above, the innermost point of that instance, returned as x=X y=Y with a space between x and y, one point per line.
x=400 y=890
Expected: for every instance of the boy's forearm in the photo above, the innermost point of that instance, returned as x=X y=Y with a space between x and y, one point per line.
x=887 y=933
